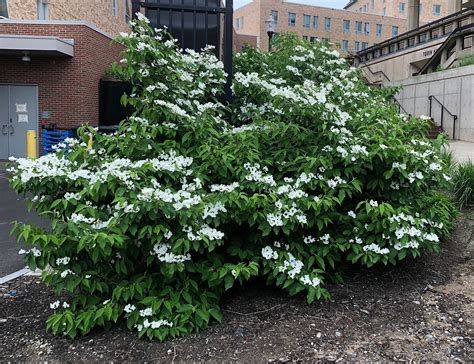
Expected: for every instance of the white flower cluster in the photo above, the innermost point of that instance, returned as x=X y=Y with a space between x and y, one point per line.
x=56 y=304
x=154 y=324
x=259 y=174
x=204 y=231
x=268 y=253
x=376 y=249
x=63 y=261
x=308 y=281
x=212 y=210
x=35 y=251
x=162 y=251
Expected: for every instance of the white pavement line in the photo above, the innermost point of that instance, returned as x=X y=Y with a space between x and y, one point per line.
x=14 y=275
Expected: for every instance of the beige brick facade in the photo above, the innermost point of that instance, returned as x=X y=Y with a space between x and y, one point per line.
x=98 y=12
x=399 y=8
x=250 y=20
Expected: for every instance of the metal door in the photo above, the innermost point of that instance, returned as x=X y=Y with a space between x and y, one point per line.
x=20 y=106
x=4 y=121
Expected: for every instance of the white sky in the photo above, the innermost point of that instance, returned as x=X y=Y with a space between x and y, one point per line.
x=327 y=3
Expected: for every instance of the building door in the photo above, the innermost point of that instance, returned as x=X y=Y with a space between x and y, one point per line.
x=18 y=114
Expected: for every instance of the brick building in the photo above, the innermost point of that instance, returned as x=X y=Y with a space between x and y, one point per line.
x=53 y=55
x=430 y=10
x=111 y=16
x=350 y=31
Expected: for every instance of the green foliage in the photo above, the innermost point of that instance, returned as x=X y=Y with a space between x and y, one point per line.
x=463 y=184
x=155 y=222
x=466 y=60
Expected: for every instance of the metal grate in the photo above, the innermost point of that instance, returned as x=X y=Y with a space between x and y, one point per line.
x=195 y=24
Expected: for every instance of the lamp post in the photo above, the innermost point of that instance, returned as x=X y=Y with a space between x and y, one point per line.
x=271 y=25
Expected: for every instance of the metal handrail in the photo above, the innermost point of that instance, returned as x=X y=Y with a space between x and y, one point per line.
x=376 y=72
x=443 y=108
x=469 y=28
x=458 y=16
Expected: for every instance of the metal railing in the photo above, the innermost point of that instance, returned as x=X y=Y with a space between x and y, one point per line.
x=443 y=108
x=195 y=24
x=415 y=37
x=462 y=32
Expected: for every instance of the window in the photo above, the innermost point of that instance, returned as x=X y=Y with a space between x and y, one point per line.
x=291 y=19
x=437 y=10
x=401 y=8
x=346 y=26
x=239 y=23
x=358 y=27
x=378 y=31
x=127 y=11
x=3 y=9
x=364 y=8
x=367 y=28
x=345 y=45
x=327 y=23
x=313 y=39
x=275 y=15
x=42 y=10
x=357 y=46
x=114 y=8
x=306 y=21
x=394 y=31
x=315 y=22
x=365 y=45
x=305 y=37
x=384 y=11
x=372 y=5
x=421 y=9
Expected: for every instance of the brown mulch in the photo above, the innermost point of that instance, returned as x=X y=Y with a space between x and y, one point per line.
x=420 y=310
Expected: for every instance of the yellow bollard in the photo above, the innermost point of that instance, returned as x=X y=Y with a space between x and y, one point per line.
x=31 y=144
x=90 y=143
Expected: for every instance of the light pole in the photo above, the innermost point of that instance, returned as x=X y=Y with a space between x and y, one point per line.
x=271 y=25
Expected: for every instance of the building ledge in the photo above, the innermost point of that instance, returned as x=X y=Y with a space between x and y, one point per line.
x=36 y=45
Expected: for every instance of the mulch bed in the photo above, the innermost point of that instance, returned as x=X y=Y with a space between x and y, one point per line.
x=420 y=310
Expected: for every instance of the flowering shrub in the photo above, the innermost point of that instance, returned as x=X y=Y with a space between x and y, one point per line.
x=156 y=221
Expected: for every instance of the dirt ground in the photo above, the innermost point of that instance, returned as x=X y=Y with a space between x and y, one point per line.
x=419 y=310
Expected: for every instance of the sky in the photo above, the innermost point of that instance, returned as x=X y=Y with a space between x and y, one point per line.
x=327 y=3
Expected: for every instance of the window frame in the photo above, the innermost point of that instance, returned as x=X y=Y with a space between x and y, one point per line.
x=378 y=29
x=275 y=18
x=357 y=23
x=327 y=23
x=42 y=10
x=294 y=19
x=395 y=31
x=115 y=9
x=315 y=21
x=344 y=28
x=436 y=6
x=306 y=17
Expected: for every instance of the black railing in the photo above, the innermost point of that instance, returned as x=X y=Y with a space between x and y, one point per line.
x=443 y=108
x=195 y=24
x=464 y=31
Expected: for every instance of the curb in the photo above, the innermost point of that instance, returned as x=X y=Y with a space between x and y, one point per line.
x=17 y=274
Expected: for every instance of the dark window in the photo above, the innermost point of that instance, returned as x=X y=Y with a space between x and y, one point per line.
x=291 y=19
x=3 y=8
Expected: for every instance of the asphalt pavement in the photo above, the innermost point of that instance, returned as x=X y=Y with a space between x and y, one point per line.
x=12 y=208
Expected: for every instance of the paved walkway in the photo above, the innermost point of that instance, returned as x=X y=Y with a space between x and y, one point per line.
x=463 y=151
x=12 y=208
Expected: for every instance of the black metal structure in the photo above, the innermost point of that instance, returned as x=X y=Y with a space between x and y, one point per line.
x=443 y=109
x=111 y=111
x=195 y=24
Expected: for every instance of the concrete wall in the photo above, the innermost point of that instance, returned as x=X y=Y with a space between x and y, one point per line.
x=402 y=64
x=454 y=88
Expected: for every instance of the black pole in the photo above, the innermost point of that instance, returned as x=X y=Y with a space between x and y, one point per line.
x=135 y=8
x=228 y=46
x=270 y=37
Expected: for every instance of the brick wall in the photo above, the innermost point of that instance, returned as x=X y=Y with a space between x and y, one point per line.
x=97 y=12
x=392 y=8
x=68 y=87
x=253 y=25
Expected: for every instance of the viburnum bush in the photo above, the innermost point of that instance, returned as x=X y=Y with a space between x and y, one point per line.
x=306 y=172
